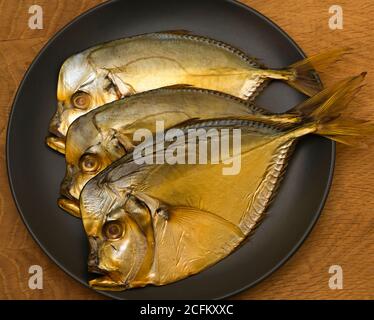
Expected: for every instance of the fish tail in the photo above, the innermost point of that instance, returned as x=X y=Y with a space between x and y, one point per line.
x=347 y=131
x=302 y=75
x=326 y=104
x=340 y=94
x=327 y=120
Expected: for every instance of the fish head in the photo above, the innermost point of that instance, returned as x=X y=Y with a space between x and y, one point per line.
x=81 y=88
x=118 y=235
x=89 y=150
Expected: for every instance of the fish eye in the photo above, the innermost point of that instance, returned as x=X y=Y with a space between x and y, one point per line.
x=112 y=230
x=81 y=100
x=89 y=163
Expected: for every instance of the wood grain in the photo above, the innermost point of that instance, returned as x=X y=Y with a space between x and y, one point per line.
x=344 y=233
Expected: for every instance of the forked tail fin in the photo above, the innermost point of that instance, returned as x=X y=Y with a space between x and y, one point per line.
x=324 y=109
x=323 y=113
x=303 y=76
x=323 y=99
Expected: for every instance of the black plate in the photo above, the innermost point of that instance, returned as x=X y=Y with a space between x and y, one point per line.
x=35 y=171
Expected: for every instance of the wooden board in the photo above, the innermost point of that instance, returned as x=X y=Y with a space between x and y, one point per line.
x=343 y=235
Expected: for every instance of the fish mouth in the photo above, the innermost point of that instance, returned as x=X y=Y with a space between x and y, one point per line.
x=93 y=257
x=55 y=123
x=70 y=205
x=56 y=143
x=56 y=140
x=54 y=129
x=95 y=269
x=68 y=190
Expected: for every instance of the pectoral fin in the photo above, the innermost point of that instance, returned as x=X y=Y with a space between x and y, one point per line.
x=191 y=240
x=123 y=89
x=154 y=205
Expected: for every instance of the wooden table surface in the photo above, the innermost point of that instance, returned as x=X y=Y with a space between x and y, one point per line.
x=343 y=235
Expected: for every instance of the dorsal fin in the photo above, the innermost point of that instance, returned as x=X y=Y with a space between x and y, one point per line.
x=178 y=32
x=281 y=122
x=177 y=86
x=186 y=123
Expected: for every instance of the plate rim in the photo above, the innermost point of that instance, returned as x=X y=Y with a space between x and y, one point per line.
x=109 y=294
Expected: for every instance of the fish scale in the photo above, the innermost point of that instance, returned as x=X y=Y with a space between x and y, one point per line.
x=129 y=66
x=106 y=134
x=191 y=216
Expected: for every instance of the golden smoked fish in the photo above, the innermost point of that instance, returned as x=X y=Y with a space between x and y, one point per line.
x=104 y=135
x=117 y=69
x=152 y=223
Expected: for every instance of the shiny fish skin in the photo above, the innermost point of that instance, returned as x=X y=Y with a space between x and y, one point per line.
x=176 y=220
x=120 y=68
x=106 y=134
x=201 y=227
